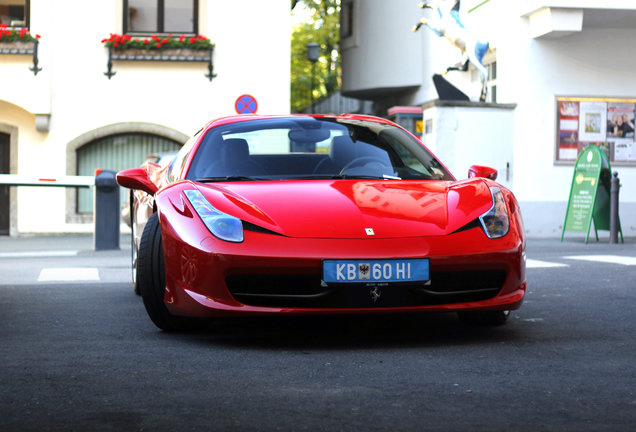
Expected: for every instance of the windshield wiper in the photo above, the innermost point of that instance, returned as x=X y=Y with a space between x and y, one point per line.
x=227 y=178
x=344 y=177
x=367 y=177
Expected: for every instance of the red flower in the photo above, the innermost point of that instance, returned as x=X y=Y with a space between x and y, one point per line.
x=37 y=36
x=126 y=41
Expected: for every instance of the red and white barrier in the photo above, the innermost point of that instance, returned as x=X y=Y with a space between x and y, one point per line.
x=63 y=181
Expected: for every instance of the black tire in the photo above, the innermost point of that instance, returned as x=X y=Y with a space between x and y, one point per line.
x=486 y=318
x=152 y=279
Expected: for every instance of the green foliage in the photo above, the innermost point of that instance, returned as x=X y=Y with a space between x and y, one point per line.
x=323 y=29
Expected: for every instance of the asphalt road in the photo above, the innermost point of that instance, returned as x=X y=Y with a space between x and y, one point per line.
x=78 y=353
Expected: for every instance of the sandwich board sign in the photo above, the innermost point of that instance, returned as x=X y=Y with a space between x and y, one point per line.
x=589 y=194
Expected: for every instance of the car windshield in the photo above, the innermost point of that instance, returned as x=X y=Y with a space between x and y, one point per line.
x=312 y=148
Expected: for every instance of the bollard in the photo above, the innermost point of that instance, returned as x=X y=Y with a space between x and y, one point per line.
x=614 y=222
x=106 y=208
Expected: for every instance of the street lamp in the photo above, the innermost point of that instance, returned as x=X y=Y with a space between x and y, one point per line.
x=313 y=53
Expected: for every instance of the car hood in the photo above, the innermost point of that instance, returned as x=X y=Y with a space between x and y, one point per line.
x=353 y=208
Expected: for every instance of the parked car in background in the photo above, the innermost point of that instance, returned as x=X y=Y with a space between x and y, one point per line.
x=160 y=159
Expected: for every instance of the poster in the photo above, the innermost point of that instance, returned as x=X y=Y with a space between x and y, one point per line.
x=624 y=150
x=620 y=130
x=592 y=121
x=568 y=130
x=620 y=120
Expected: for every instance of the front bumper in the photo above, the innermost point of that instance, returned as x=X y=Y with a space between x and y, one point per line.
x=272 y=274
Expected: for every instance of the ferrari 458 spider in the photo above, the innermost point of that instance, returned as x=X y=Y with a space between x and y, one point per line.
x=320 y=215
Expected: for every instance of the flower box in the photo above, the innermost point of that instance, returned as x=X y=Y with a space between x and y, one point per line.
x=17 y=47
x=168 y=54
x=156 y=48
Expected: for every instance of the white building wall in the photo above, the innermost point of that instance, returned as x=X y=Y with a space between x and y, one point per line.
x=457 y=136
x=594 y=62
x=252 y=55
x=375 y=61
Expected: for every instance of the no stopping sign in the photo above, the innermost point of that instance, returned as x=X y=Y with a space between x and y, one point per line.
x=246 y=104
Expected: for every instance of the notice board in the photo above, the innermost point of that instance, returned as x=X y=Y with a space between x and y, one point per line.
x=601 y=121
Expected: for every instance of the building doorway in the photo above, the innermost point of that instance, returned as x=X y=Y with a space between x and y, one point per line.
x=4 y=189
x=117 y=152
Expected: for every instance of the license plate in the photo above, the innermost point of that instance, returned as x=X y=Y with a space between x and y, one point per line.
x=376 y=271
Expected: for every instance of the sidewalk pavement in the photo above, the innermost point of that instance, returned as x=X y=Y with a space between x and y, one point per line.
x=56 y=242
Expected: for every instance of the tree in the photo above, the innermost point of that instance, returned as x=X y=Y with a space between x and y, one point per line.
x=324 y=29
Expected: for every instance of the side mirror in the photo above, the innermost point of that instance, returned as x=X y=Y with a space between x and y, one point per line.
x=482 y=171
x=136 y=178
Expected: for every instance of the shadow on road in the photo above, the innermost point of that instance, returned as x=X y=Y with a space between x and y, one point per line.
x=347 y=332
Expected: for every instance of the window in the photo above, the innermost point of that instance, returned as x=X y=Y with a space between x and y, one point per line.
x=14 y=13
x=492 y=81
x=349 y=11
x=161 y=16
x=346 y=20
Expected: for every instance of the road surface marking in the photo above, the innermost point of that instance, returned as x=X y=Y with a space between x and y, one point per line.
x=531 y=263
x=38 y=254
x=68 y=274
x=610 y=259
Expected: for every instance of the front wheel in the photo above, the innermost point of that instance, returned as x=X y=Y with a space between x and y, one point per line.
x=151 y=279
x=489 y=318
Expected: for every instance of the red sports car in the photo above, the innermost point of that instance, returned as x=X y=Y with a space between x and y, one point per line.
x=337 y=214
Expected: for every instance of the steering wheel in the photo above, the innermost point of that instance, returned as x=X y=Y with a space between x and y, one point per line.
x=363 y=160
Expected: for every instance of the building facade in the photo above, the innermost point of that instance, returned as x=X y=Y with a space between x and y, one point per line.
x=75 y=105
x=563 y=69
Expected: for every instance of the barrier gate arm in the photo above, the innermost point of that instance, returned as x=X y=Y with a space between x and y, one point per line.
x=63 y=181
x=106 y=190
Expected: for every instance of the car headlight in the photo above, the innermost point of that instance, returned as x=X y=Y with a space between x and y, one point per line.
x=495 y=221
x=221 y=225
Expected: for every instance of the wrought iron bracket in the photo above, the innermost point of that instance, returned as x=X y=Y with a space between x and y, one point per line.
x=160 y=57
x=109 y=66
x=20 y=49
x=35 y=69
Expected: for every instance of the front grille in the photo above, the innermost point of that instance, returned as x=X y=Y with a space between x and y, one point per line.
x=307 y=291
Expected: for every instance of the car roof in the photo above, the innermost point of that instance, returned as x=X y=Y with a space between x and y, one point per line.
x=248 y=117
